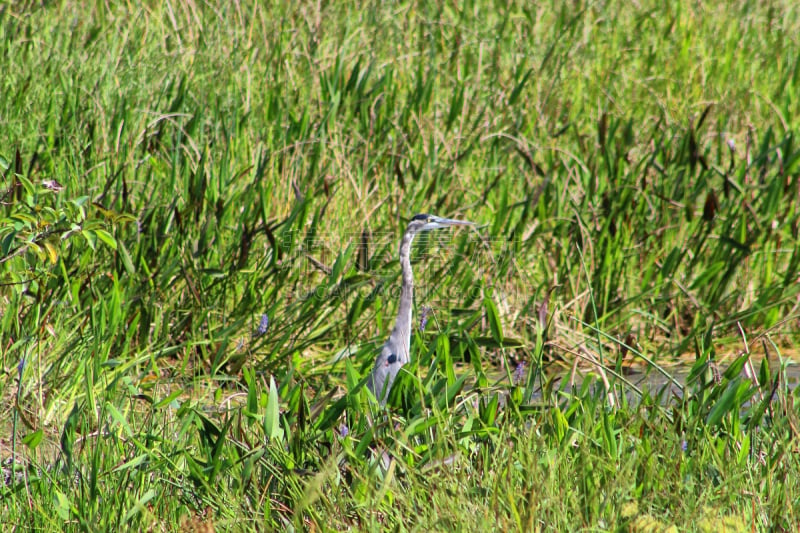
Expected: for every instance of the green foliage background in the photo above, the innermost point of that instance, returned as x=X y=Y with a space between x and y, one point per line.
x=174 y=171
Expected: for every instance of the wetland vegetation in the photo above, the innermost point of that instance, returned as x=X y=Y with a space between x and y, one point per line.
x=200 y=210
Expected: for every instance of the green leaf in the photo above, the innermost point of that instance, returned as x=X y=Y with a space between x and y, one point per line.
x=764 y=374
x=106 y=237
x=52 y=253
x=560 y=424
x=32 y=440
x=736 y=367
x=140 y=505
x=62 y=504
x=744 y=451
x=7 y=243
x=494 y=320
x=252 y=393
x=332 y=414
x=443 y=352
x=609 y=433
x=488 y=411
x=452 y=391
x=68 y=433
x=119 y=418
x=491 y=342
x=127 y=262
x=91 y=238
x=133 y=463
x=26 y=219
x=272 y=426
x=338 y=266
x=727 y=403
x=518 y=89
x=168 y=400
x=419 y=426
x=363 y=446
x=351 y=375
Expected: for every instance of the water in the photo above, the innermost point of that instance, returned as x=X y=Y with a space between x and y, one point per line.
x=638 y=379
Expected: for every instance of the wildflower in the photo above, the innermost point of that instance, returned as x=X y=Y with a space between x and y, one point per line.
x=21 y=367
x=423 y=317
x=684 y=446
x=519 y=373
x=344 y=430
x=262 y=326
x=731 y=145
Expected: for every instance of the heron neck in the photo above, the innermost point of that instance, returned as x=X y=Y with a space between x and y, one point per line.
x=402 y=327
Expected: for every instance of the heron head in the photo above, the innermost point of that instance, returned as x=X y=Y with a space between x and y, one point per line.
x=425 y=222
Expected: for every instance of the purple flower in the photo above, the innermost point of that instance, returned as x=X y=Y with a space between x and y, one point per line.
x=344 y=430
x=21 y=367
x=519 y=373
x=684 y=446
x=423 y=317
x=262 y=326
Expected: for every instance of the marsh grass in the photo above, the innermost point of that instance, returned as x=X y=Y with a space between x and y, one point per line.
x=174 y=173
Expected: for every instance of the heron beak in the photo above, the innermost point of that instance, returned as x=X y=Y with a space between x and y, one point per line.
x=439 y=222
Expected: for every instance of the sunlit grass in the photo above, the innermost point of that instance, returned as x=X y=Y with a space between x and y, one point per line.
x=198 y=234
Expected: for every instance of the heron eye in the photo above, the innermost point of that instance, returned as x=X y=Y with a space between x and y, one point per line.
x=392 y=359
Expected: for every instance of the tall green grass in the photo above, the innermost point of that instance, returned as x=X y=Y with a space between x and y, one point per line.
x=198 y=233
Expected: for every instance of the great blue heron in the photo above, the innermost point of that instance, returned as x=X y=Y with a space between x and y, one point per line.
x=395 y=352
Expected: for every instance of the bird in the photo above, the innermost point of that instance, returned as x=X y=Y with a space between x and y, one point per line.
x=395 y=352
